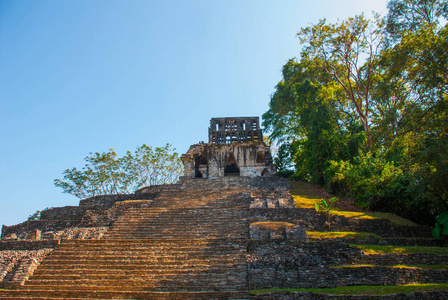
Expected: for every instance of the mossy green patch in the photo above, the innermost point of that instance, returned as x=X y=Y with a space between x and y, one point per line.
x=273 y=225
x=341 y=234
x=353 y=214
x=305 y=194
x=375 y=249
x=367 y=290
x=304 y=202
x=394 y=219
x=431 y=267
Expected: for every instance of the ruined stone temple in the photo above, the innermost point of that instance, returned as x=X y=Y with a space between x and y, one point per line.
x=227 y=227
x=186 y=240
x=235 y=147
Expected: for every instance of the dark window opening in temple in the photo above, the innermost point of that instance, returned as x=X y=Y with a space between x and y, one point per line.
x=260 y=157
x=199 y=161
x=231 y=167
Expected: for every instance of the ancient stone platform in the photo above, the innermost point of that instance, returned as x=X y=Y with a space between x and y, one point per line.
x=188 y=241
x=204 y=239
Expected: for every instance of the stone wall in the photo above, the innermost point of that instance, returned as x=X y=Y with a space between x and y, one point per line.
x=308 y=219
x=28 y=245
x=17 y=265
x=63 y=213
x=276 y=231
x=218 y=160
x=286 y=295
x=106 y=201
x=294 y=264
x=70 y=222
x=299 y=264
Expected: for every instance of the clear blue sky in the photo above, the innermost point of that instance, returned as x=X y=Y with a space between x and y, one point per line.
x=85 y=76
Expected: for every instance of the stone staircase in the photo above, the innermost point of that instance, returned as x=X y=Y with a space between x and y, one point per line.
x=188 y=244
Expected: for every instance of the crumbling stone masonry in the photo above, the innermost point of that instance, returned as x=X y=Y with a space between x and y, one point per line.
x=230 y=130
x=235 y=148
x=207 y=239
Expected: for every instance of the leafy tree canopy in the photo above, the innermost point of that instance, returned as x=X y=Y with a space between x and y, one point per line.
x=363 y=110
x=105 y=173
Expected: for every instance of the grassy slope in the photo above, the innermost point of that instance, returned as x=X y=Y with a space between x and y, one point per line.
x=368 y=290
x=306 y=194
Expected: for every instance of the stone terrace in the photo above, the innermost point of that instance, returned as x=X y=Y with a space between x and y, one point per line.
x=190 y=241
x=209 y=239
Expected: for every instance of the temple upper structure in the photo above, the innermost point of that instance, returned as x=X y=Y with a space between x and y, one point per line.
x=235 y=148
x=230 y=130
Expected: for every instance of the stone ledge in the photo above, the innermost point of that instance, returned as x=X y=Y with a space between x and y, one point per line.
x=286 y=295
x=28 y=245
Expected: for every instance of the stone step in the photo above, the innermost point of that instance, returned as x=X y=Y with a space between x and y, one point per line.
x=390 y=259
x=135 y=265
x=152 y=242
x=415 y=241
x=181 y=219
x=153 y=227
x=142 y=281
x=150 y=252
x=179 y=283
x=126 y=274
x=68 y=294
x=210 y=213
x=144 y=258
x=376 y=275
x=122 y=267
x=142 y=248
x=140 y=235
x=146 y=255
x=182 y=223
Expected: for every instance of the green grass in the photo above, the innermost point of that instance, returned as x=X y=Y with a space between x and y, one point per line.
x=306 y=194
x=394 y=219
x=341 y=234
x=431 y=267
x=367 y=290
x=374 y=249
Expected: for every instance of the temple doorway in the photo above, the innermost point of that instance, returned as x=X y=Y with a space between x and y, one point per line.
x=200 y=166
x=231 y=168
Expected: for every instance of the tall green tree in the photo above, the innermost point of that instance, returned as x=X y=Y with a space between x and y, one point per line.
x=406 y=16
x=348 y=52
x=379 y=83
x=105 y=173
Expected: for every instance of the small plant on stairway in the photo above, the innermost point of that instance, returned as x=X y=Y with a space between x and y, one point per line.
x=35 y=216
x=441 y=226
x=322 y=204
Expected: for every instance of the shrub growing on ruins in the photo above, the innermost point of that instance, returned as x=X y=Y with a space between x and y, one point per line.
x=35 y=216
x=325 y=206
x=105 y=173
x=441 y=226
